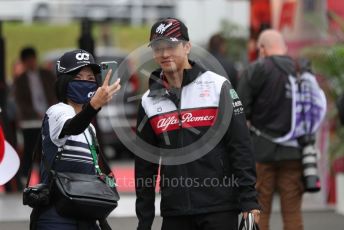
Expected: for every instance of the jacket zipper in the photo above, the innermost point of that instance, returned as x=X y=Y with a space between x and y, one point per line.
x=180 y=143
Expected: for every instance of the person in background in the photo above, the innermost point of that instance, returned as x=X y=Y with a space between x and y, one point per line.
x=265 y=91
x=33 y=93
x=217 y=46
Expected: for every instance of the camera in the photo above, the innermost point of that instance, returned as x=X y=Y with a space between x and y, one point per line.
x=311 y=178
x=36 y=196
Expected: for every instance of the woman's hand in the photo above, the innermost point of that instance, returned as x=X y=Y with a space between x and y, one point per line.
x=104 y=93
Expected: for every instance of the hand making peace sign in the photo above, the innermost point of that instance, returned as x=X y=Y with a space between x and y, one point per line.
x=105 y=92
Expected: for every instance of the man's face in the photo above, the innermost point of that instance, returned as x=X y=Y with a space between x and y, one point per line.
x=30 y=63
x=171 y=56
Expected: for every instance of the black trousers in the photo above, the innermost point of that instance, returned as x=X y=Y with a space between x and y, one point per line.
x=209 y=221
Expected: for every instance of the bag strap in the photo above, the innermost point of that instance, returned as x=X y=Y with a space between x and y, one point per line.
x=34 y=155
x=299 y=88
x=299 y=73
x=99 y=150
x=259 y=133
x=109 y=180
x=94 y=148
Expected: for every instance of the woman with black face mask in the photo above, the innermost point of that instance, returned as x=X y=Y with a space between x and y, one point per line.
x=66 y=132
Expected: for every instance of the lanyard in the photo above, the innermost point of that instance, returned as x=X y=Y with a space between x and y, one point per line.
x=109 y=180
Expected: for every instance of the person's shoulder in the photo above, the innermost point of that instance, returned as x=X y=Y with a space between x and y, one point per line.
x=260 y=63
x=153 y=78
x=93 y=128
x=210 y=75
x=145 y=96
x=257 y=68
x=60 y=108
x=282 y=62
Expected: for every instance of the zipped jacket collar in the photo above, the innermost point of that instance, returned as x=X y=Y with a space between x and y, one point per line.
x=156 y=84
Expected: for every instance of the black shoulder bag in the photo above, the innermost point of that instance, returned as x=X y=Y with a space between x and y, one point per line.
x=83 y=196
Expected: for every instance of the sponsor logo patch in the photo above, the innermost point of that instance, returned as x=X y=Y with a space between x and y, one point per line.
x=193 y=118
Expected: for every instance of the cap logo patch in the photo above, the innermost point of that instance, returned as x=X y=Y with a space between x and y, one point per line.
x=59 y=67
x=82 y=56
x=162 y=27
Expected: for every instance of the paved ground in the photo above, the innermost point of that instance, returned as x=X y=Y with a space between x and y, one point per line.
x=317 y=215
x=314 y=220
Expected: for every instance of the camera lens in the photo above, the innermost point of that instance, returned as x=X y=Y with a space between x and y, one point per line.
x=310 y=169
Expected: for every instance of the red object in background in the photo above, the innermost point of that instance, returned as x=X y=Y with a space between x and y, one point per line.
x=331 y=197
x=260 y=14
x=260 y=19
x=336 y=7
x=125 y=179
x=252 y=50
x=287 y=16
x=35 y=177
x=337 y=167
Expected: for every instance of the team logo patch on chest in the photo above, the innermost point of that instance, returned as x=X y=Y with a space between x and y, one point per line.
x=186 y=119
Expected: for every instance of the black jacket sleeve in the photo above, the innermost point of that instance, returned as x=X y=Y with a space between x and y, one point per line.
x=239 y=147
x=79 y=122
x=145 y=175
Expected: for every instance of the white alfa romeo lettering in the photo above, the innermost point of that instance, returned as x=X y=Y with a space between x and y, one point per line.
x=164 y=123
x=188 y=117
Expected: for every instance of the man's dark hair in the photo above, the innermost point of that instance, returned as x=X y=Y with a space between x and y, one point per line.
x=27 y=52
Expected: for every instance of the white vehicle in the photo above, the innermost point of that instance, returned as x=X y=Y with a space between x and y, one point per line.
x=14 y=10
x=28 y=10
x=130 y=11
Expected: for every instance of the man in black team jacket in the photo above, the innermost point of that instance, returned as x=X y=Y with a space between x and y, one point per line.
x=208 y=192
